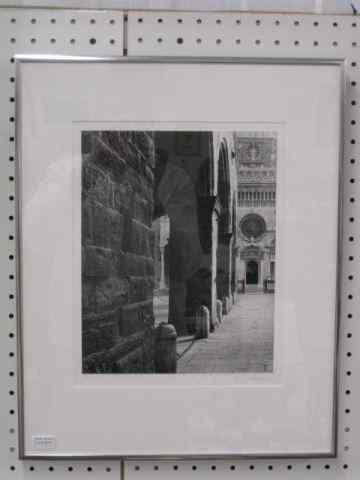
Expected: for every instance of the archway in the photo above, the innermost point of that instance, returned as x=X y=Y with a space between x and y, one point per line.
x=252 y=272
x=181 y=180
x=224 y=258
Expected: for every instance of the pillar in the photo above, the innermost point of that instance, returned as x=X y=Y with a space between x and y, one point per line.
x=214 y=246
x=162 y=268
x=224 y=259
x=165 y=349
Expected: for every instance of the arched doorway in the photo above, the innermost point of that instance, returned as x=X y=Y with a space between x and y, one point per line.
x=252 y=272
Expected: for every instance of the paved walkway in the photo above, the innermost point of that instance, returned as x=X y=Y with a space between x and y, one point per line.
x=242 y=343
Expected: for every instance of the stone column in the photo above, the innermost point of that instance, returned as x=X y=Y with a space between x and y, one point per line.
x=208 y=217
x=202 y=322
x=177 y=289
x=162 y=267
x=214 y=245
x=165 y=349
x=224 y=259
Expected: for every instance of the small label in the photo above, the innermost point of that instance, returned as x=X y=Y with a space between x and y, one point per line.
x=44 y=442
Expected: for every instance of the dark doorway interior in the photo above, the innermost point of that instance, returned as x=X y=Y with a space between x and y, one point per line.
x=252 y=273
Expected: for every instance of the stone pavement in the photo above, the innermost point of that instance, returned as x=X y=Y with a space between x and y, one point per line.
x=242 y=343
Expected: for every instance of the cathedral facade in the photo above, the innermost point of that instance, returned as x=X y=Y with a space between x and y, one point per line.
x=256 y=155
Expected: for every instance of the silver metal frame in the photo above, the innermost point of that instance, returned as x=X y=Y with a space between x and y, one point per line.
x=19 y=59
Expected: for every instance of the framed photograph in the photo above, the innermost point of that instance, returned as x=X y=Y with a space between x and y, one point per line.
x=179 y=257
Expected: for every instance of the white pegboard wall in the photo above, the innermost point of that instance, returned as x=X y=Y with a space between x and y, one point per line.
x=312 y=6
x=242 y=34
x=65 y=32
x=100 y=33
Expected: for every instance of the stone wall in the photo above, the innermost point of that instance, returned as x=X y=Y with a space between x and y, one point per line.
x=117 y=251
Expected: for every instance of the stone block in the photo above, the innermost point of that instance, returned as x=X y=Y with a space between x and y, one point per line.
x=86 y=222
x=124 y=345
x=136 y=265
x=89 y=343
x=148 y=172
x=138 y=239
x=111 y=292
x=96 y=183
x=150 y=267
x=98 y=262
x=116 y=230
x=100 y=225
x=141 y=288
x=100 y=331
x=132 y=362
x=144 y=141
x=136 y=317
x=109 y=159
x=131 y=354
x=88 y=297
x=122 y=196
x=202 y=322
x=138 y=360
x=143 y=209
x=95 y=319
x=107 y=335
x=165 y=349
x=127 y=237
x=226 y=307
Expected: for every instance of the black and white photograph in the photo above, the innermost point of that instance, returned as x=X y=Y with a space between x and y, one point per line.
x=178 y=251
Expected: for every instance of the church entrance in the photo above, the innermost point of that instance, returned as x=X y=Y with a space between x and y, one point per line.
x=252 y=273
